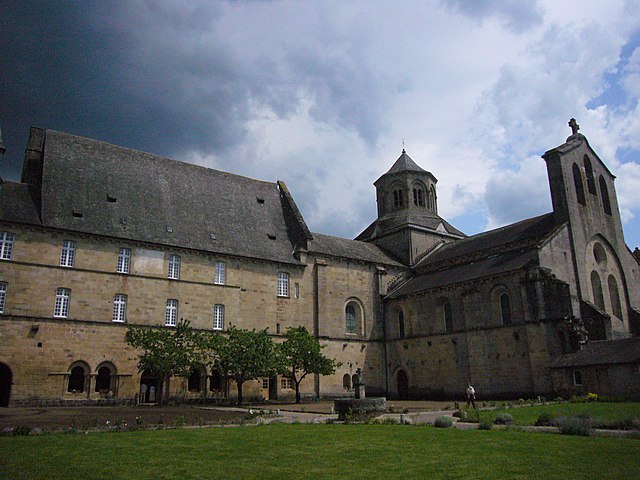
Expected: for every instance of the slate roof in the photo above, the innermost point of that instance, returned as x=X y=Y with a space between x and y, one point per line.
x=16 y=204
x=625 y=350
x=490 y=253
x=419 y=218
x=137 y=196
x=527 y=231
x=349 y=249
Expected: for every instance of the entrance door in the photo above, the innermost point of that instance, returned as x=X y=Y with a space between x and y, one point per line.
x=403 y=385
x=273 y=388
x=6 y=378
x=148 y=388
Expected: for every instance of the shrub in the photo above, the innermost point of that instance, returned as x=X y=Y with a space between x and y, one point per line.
x=503 y=419
x=592 y=397
x=574 y=426
x=469 y=415
x=443 y=422
x=485 y=424
x=619 y=424
x=545 y=419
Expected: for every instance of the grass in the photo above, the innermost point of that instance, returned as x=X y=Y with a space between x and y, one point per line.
x=605 y=411
x=317 y=452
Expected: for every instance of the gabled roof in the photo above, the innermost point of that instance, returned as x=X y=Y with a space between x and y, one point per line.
x=16 y=204
x=350 y=249
x=98 y=188
x=625 y=350
x=407 y=218
x=528 y=231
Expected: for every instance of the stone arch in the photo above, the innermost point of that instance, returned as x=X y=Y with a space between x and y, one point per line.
x=604 y=193
x=596 y=291
x=614 y=296
x=433 y=199
x=419 y=194
x=402 y=384
x=6 y=380
x=218 y=384
x=197 y=379
x=149 y=388
x=106 y=376
x=579 y=184
x=445 y=313
x=591 y=181
x=501 y=304
x=346 y=381
x=354 y=316
x=78 y=377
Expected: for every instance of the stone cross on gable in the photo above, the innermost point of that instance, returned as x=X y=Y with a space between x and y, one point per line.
x=574 y=126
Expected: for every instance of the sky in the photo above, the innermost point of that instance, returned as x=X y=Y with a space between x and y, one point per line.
x=324 y=94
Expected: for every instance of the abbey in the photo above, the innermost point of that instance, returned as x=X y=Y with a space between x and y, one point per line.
x=98 y=237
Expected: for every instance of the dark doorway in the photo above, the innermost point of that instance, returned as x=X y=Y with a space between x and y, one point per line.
x=149 y=388
x=403 y=385
x=273 y=388
x=103 y=380
x=6 y=378
x=77 y=380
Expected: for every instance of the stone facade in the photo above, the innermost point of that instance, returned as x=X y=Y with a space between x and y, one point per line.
x=421 y=309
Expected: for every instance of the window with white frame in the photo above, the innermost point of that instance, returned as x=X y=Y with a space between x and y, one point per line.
x=218 y=317
x=68 y=254
x=286 y=383
x=120 y=308
x=61 y=309
x=171 y=313
x=577 y=378
x=3 y=295
x=220 y=277
x=174 y=266
x=6 y=245
x=124 y=260
x=283 y=284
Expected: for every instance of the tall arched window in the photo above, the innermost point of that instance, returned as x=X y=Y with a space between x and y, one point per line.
x=194 y=384
x=505 y=309
x=577 y=180
x=604 y=192
x=103 y=379
x=434 y=199
x=614 y=296
x=350 y=318
x=596 y=286
x=401 y=324
x=346 y=381
x=591 y=181
x=448 y=316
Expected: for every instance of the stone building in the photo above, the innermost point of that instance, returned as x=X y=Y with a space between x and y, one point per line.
x=97 y=237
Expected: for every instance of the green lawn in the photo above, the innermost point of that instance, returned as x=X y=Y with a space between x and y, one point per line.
x=318 y=452
x=605 y=411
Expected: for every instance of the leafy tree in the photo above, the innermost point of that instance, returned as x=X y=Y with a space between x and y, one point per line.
x=301 y=355
x=165 y=351
x=244 y=355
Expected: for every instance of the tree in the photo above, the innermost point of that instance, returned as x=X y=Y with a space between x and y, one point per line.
x=301 y=355
x=244 y=355
x=165 y=351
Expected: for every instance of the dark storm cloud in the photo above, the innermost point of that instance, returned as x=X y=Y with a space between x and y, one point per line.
x=516 y=15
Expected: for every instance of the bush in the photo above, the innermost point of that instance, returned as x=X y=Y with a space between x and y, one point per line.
x=469 y=415
x=575 y=426
x=620 y=424
x=503 y=419
x=443 y=422
x=545 y=419
x=485 y=424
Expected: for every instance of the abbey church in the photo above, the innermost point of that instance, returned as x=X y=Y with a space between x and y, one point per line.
x=97 y=237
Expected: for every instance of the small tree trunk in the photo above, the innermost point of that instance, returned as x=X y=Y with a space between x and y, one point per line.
x=239 y=391
x=297 y=392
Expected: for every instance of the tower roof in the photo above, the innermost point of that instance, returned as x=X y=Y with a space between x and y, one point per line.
x=405 y=163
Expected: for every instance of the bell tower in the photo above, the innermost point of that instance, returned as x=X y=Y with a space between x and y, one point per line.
x=408 y=224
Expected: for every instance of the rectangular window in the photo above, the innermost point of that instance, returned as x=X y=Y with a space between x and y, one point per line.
x=220 y=273
x=6 y=245
x=120 y=308
x=265 y=383
x=218 y=317
x=283 y=284
x=577 y=378
x=286 y=383
x=171 y=313
x=3 y=295
x=68 y=254
x=124 y=260
x=61 y=309
x=174 y=267
x=296 y=290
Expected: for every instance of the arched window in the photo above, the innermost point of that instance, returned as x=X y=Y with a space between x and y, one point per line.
x=103 y=380
x=614 y=296
x=434 y=199
x=600 y=254
x=346 y=381
x=76 y=379
x=350 y=318
x=591 y=181
x=401 y=324
x=398 y=198
x=604 y=192
x=194 y=383
x=448 y=316
x=596 y=286
x=418 y=197
x=505 y=309
x=577 y=180
x=215 y=381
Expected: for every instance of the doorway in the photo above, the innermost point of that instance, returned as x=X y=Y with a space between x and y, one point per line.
x=403 y=385
x=6 y=379
x=148 y=388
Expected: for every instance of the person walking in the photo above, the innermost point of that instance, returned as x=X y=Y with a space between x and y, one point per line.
x=471 y=396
